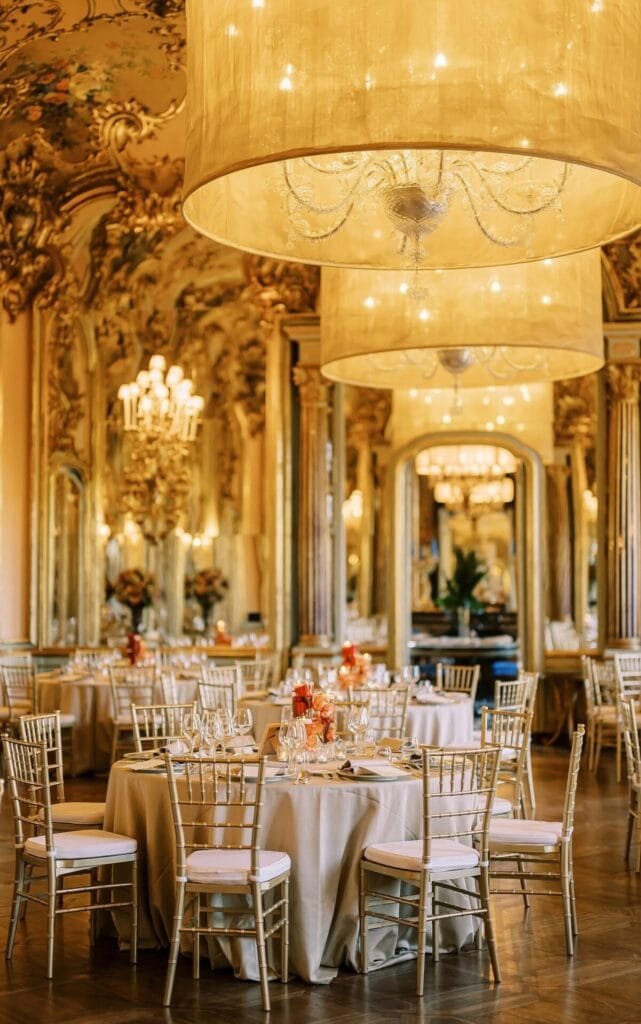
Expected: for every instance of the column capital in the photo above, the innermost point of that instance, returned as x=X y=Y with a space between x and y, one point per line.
x=623 y=381
x=313 y=387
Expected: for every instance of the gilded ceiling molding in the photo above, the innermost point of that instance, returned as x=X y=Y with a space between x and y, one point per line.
x=279 y=288
x=32 y=263
x=621 y=265
x=575 y=410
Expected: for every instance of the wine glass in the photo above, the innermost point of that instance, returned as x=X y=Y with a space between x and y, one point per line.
x=294 y=739
x=357 y=724
x=192 y=727
x=243 y=721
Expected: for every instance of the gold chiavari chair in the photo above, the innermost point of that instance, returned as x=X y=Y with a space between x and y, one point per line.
x=458 y=679
x=158 y=725
x=19 y=683
x=627 y=674
x=130 y=684
x=168 y=689
x=254 y=675
x=459 y=787
x=219 y=687
x=217 y=807
x=541 y=850
x=65 y=814
x=509 y=731
x=45 y=857
x=387 y=709
x=601 y=713
x=633 y=761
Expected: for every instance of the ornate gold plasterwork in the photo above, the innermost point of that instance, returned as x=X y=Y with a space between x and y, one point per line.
x=66 y=401
x=621 y=265
x=575 y=410
x=623 y=381
x=313 y=387
x=367 y=414
x=278 y=287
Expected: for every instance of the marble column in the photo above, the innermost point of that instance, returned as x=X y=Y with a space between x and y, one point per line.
x=314 y=532
x=624 y=507
x=559 y=543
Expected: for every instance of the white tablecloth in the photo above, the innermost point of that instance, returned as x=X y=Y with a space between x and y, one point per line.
x=324 y=827
x=442 y=723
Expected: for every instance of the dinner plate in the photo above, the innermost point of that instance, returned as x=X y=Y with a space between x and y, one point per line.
x=351 y=777
x=140 y=755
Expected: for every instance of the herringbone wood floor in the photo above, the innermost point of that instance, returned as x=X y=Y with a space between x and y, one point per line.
x=602 y=985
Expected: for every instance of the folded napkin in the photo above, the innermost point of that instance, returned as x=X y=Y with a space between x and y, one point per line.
x=150 y=764
x=374 y=767
x=438 y=697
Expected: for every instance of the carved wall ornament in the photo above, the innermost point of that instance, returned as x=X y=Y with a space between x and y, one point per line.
x=66 y=402
x=278 y=287
x=621 y=263
x=313 y=388
x=623 y=381
x=575 y=410
x=367 y=414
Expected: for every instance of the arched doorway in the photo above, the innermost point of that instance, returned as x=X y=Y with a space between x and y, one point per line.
x=530 y=550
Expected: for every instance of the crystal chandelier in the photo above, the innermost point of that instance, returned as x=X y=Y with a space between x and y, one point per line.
x=419 y=133
x=469 y=478
x=161 y=416
x=473 y=498
x=475 y=327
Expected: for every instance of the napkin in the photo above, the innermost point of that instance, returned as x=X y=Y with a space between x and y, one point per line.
x=151 y=764
x=437 y=697
x=373 y=766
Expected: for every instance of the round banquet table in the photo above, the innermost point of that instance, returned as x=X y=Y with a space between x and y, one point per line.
x=323 y=826
x=441 y=721
x=265 y=710
x=88 y=698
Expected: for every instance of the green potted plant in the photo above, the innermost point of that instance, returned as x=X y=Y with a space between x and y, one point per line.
x=469 y=570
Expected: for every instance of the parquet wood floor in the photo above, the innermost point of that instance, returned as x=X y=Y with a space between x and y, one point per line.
x=602 y=985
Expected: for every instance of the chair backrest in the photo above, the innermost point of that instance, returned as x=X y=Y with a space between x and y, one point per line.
x=458 y=678
x=571 y=784
x=631 y=740
x=216 y=804
x=510 y=731
x=131 y=684
x=627 y=669
x=254 y=675
x=156 y=725
x=168 y=689
x=511 y=694
x=458 y=791
x=387 y=708
x=599 y=682
x=219 y=687
x=19 y=683
x=46 y=729
x=532 y=679
x=27 y=772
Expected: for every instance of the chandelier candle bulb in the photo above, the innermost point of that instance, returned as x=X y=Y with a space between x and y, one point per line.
x=419 y=133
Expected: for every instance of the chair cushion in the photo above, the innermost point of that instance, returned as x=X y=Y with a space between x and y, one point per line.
x=75 y=812
x=67 y=720
x=501 y=805
x=524 y=832
x=446 y=853
x=82 y=843
x=211 y=866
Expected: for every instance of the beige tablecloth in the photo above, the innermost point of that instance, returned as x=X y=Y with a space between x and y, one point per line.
x=88 y=698
x=324 y=827
x=264 y=712
x=444 y=723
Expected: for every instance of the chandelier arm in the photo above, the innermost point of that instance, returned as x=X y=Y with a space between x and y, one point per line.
x=305 y=205
x=489 y=234
x=544 y=205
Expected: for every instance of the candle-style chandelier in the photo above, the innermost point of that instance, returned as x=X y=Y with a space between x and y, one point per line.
x=161 y=416
x=470 y=478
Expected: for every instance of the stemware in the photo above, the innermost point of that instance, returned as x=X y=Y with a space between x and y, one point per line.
x=357 y=724
x=192 y=729
x=242 y=721
x=294 y=739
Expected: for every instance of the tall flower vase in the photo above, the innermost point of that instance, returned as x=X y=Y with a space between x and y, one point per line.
x=136 y=617
x=463 y=620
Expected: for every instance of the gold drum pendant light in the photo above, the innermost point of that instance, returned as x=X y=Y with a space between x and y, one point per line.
x=515 y=324
x=413 y=133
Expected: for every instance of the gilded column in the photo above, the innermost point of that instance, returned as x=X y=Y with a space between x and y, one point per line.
x=559 y=543
x=314 y=534
x=624 y=507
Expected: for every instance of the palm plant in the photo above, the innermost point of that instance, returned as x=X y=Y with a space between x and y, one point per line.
x=469 y=570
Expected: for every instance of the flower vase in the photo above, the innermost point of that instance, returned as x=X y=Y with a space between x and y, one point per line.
x=136 y=617
x=463 y=621
x=207 y=615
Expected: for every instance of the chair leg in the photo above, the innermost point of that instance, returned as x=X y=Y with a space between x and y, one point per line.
x=175 y=943
x=590 y=745
x=436 y=931
x=51 y=919
x=628 y=838
x=424 y=903
x=618 y=754
x=133 y=939
x=529 y=781
x=567 y=899
x=486 y=905
x=195 y=971
x=261 y=949
x=363 y=921
x=599 y=741
x=284 y=934
x=523 y=882
x=16 y=905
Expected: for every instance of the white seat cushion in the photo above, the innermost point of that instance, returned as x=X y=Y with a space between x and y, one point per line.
x=76 y=812
x=82 y=843
x=501 y=805
x=446 y=853
x=67 y=720
x=230 y=866
x=524 y=832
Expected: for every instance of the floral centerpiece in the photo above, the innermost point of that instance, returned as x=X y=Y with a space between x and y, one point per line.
x=321 y=728
x=356 y=669
x=207 y=586
x=135 y=588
